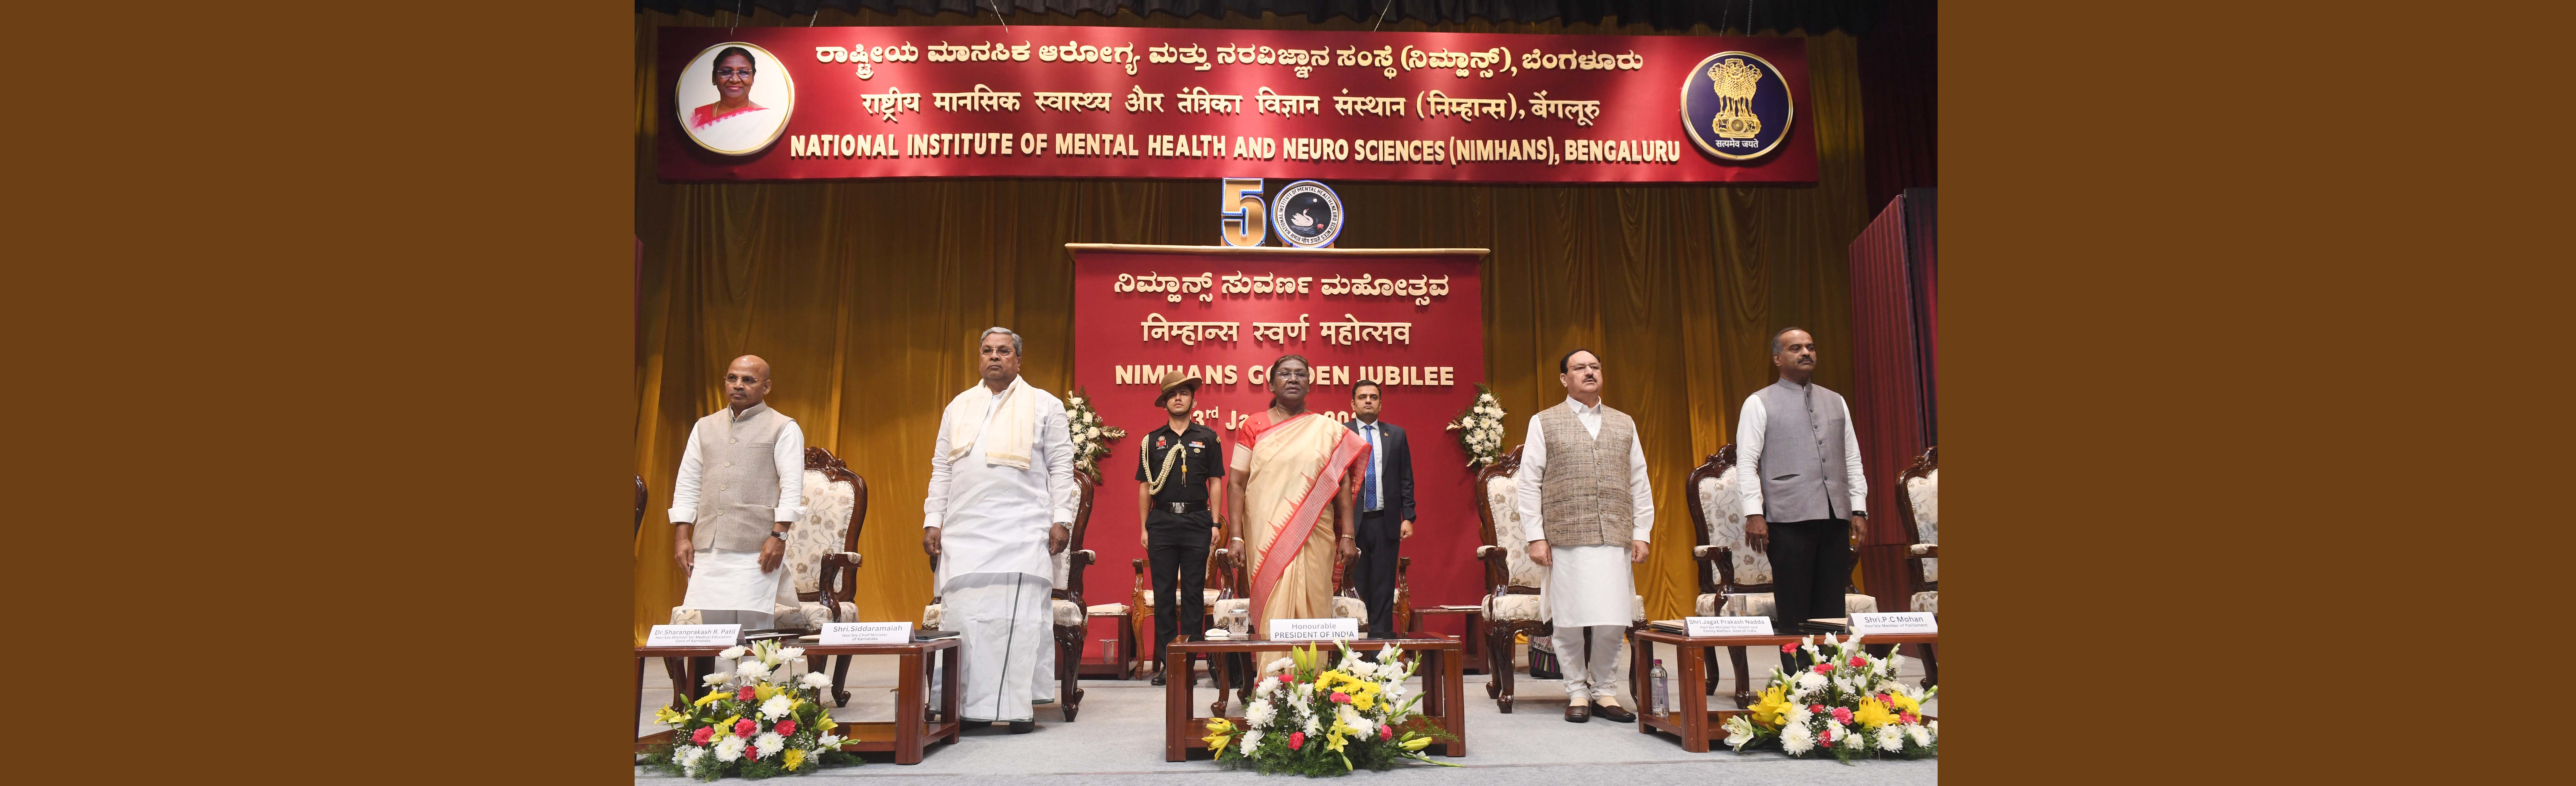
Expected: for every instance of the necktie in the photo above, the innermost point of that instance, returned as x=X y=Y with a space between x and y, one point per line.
x=1368 y=488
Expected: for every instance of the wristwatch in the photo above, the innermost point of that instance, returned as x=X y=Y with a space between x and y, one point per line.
x=781 y=536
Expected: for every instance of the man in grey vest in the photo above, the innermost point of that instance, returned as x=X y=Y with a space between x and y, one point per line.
x=1798 y=466
x=741 y=487
x=1587 y=512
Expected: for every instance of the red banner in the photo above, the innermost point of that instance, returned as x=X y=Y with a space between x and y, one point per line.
x=770 y=103
x=1411 y=319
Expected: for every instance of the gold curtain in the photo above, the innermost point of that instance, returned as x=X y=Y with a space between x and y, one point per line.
x=867 y=296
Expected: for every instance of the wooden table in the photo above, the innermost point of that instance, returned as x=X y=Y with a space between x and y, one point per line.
x=1473 y=629
x=906 y=736
x=1443 y=695
x=1689 y=716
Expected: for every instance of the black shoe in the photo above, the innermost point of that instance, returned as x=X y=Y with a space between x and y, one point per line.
x=1026 y=726
x=972 y=724
x=1158 y=677
x=1577 y=713
x=1613 y=713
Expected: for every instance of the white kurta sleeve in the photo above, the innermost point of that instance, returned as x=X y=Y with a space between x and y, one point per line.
x=1857 y=480
x=1641 y=492
x=1055 y=444
x=789 y=454
x=684 y=490
x=1533 y=468
x=1748 y=453
x=934 y=505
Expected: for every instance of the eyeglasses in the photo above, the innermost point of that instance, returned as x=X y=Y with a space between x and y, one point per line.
x=1296 y=374
x=734 y=379
x=740 y=72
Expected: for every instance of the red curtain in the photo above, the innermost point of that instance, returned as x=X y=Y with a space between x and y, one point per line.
x=1895 y=331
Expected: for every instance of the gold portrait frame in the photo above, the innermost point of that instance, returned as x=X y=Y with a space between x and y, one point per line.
x=681 y=109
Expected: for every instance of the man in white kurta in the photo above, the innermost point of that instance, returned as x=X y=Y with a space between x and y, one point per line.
x=740 y=489
x=1588 y=513
x=1000 y=504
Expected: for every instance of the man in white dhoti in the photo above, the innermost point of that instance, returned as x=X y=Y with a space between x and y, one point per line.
x=1587 y=511
x=741 y=488
x=1000 y=503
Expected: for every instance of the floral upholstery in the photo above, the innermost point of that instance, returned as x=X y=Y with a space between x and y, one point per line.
x=808 y=615
x=1063 y=611
x=1502 y=495
x=1107 y=610
x=824 y=530
x=1513 y=607
x=1759 y=604
x=1232 y=609
x=1723 y=509
x=1928 y=602
x=1925 y=493
x=932 y=615
x=1069 y=615
x=1352 y=608
x=1240 y=608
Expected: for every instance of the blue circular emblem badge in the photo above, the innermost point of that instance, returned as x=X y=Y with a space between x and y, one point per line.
x=1307 y=214
x=1736 y=106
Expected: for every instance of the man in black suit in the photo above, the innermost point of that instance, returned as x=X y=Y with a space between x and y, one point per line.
x=1385 y=507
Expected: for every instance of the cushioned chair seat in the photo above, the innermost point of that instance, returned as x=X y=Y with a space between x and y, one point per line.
x=1759 y=604
x=1107 y=610
x=1065 y=613
x=1512 y=607
x=1928 y=602
x=808 y=615
x=1235 y=608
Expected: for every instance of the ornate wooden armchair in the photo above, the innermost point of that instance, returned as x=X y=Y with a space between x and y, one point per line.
x=1920 y=502
x=1065 y=606
x=1512 y=603
x=1737 y=582
x=822 y=559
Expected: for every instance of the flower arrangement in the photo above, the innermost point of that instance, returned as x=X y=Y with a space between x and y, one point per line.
x=1848 y=705
x=758 y=720
x=1310 y=720
x=1090 y=437
x=1480 y=428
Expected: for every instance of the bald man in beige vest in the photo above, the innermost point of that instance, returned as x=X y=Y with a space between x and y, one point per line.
x=741 y=488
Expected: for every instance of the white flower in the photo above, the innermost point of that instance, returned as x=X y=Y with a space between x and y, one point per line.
x=688 y=758
x=1312 y=727
x=729 y=749
x=1810 y=681
x=1891 y=738
x=791 y=653
x=1077 y=401
x=1935 y=727
x=828 y=741
x=1259 y=714
x=1915 y=732
x=732 y=652
x=1894 y=660
x=1267 y=686
x=1796 y=739
x=1251 y=741
x=1738 y=732
x=768 y=744
x=718 y=678
x=1850 y=739
x=1305 y=693
x=1798 y=715
x=774 y=707
x=1351 y=717
x=1278 y=666
x=751 y=671
x=817 y=680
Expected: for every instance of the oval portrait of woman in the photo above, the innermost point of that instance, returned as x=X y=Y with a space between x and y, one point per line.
x=734 y=98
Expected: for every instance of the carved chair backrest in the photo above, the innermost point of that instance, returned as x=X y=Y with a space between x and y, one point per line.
x=1717 y=518
x=1921 y=504
x=1068 y=582
x=1499 y=518
x=836 y=506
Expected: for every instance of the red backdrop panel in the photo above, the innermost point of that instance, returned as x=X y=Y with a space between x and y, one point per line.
x=1430 y=376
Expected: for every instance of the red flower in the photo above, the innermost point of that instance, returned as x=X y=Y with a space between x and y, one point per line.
x=1815 y=708
x=1825 y=735
x=1296 y=739
x=1858 y=661
x=1842 y=714
x=745 y=728
x=1341 y=698
x=1824 y=668
x=704 y=734
x=745 y=694
x=1385 y=732
x=1882 y=699
x=785 y=727
x=1788 y=648
x=1907 y=717
x=1285 y=679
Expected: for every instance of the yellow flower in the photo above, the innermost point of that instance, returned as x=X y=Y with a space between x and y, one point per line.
x=1905 y=703
x=1873 y=714
x=826 y=723
x=711 y=697
x=1219 y=730
x=1772 y=708
x=763 y=691
x=1416 y=744
x=795 y=756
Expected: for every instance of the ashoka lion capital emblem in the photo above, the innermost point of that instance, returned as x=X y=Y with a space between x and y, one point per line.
x=1735 y=81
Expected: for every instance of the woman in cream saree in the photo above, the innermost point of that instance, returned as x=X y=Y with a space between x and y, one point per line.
x=1290 y=489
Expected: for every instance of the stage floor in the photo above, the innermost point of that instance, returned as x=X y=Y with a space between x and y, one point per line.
x=1119 y=740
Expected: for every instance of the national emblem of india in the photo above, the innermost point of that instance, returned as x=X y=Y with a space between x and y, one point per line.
x=1735 y=81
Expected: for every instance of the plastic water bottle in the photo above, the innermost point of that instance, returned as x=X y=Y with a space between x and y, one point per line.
x=1662 y=705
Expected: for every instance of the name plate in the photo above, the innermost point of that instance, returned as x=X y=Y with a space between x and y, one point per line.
x=694 y=636
x=1727 y=626
x=867 y=633
x=1333 y=629
x=1893 y=622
